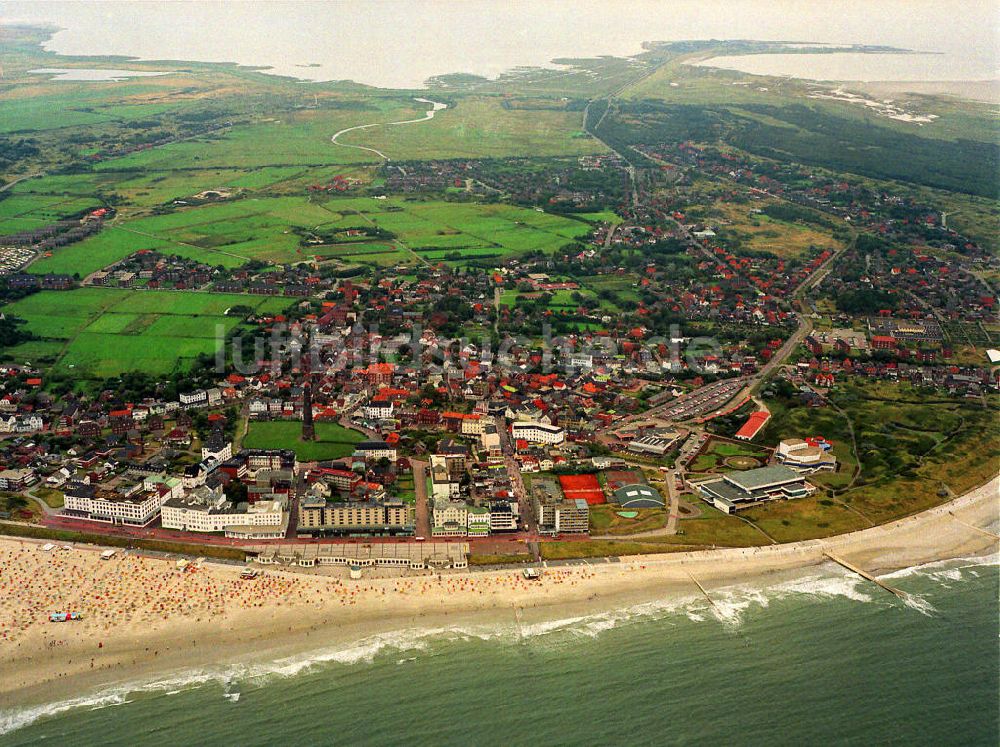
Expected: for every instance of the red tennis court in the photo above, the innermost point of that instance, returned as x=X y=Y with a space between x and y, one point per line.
x=582 y=486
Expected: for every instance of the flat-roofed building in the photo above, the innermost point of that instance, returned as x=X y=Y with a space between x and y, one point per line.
x=16 y=480
x=455 y=457
x=444 y=484
x=738 y=490
x=415 y=555
x=555 y=514
x=319 y=516
x=564 y=517
x=805 y=456
x=167 y=485
x=490 y=441
x=503 y=516
x=654 y=444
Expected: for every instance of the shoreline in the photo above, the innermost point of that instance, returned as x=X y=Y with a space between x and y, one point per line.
x=986 y=91
x=285 y=615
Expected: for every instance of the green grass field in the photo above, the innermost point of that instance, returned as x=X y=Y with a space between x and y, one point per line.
x=231 y=233
x=481 y=128
x=607 y=520
x=56 y=105
x=605 y=216
x=228 y=234
x=332 y=440
x=31 y=211
x=101 y=332
x=435 y=229
x=560 y=300
x=144 y=189
x=725 y=456
x=621 y=287
x=910 y=447
x=293 y=139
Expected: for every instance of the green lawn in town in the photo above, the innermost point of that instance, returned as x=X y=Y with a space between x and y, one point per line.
x=333 y=441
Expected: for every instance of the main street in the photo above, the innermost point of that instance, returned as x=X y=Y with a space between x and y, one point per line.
x=528 y=521
x=423 y=507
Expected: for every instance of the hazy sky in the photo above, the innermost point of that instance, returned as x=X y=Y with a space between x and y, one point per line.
x=402 y=42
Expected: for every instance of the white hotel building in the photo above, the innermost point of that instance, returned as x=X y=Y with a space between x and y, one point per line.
x=204 y=510
x=136 y=508
x=537 y=433
x=450 y=518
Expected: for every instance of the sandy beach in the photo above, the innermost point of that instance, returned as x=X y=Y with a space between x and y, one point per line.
x=144 y=618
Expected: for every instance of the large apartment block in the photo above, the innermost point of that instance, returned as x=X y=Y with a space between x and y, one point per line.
x=319 y=517
x=565 y=517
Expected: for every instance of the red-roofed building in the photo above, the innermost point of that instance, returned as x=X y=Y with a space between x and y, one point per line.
x=753 y=425
x=379 y=374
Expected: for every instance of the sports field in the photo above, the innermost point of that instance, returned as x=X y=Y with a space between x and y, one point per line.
x=616 y=479
x=97 y=333
x=586 y=487
x=333 y=441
